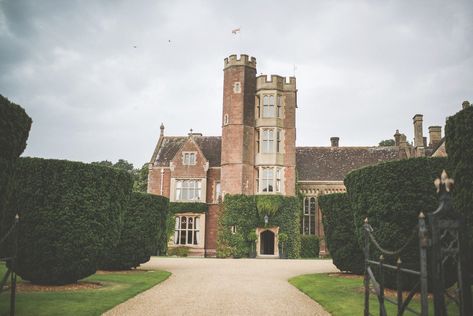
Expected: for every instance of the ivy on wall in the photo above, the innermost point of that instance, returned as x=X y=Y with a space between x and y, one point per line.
x=246 y=212
x=191 y=207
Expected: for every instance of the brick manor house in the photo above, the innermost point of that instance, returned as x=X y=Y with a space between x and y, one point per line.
x=257 y=154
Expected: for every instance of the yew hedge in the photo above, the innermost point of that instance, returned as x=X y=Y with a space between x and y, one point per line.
x=15 y=125
x=143 y=232
x=70 y=214
x=459 y=146
x=339 y=231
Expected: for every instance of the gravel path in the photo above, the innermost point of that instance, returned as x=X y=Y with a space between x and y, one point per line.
x=200 y=286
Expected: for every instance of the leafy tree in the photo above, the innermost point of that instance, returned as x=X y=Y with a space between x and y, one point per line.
x=387 y=142
x=124 y=165
x=141 y=179
x=105 y=163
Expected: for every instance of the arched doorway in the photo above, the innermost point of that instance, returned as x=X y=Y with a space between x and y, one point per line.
x=267 y=243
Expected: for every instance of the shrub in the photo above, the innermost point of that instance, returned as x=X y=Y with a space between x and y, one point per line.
x=179 y=251
x=391 y=195
x=459 y=146
x=142 y=232
x=242 y=212
x=309 y=246
x=15 y=125
x=339 y=229
x=70 y=213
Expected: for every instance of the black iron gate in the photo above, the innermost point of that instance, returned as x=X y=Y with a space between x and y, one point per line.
x=12 y=237
x=442 y=236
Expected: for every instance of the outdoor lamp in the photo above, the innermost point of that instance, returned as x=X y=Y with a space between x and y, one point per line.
x=266 y=218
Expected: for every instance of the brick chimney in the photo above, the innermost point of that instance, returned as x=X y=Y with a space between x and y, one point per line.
x=334 y=141
x=435 y=135
x=418 y=133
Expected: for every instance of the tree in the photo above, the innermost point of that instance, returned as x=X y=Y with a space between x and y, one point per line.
x=387 y=142
x=141 y=179
x=124 y=165
x=105 y=163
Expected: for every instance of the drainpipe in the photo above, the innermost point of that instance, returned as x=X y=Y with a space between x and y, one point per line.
x=161 y=184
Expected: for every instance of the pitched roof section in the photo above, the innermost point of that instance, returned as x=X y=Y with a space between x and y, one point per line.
x=170 y=145
x=334 y=163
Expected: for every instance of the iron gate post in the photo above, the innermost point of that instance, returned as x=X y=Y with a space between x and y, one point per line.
x=423 y=245
x=366 y=280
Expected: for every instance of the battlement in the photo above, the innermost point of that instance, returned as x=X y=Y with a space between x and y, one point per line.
x=244 y=60
x=275 y=82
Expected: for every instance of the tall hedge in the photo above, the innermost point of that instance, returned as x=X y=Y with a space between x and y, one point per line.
x=459 y=146
x=242 y=212
x=143 y=232
x=310 y=246
x=15 y=125
x=339 y=229
x=70 y=212
x=391 y=195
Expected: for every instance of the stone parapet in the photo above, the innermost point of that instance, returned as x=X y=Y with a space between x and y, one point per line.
x=275 y=82
x=244 y=60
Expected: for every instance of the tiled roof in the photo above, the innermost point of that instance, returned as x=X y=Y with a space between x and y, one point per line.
x=334 y=163
x=170 y=145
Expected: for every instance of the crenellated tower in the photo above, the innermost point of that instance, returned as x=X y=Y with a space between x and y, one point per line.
x=238 y=125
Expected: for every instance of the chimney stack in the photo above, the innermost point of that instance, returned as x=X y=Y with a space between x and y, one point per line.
x=418 y=133
x=162 y=129
x=334 y=141
x=435 y=134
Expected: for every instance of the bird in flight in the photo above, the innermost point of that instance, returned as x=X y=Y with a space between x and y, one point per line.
x=134 y=46
x=235 y=31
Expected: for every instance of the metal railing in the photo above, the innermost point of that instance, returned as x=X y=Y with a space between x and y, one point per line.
x=12 y=234
x=442 y=236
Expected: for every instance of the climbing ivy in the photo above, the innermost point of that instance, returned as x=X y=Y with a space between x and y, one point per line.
x=246 y=212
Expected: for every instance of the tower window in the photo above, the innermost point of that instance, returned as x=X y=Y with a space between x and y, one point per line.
x=279 y=107
x=268 y=106
x=268 y=141
x=237 y=87
x=267 y=180
x=278 y=141
x=225 y=119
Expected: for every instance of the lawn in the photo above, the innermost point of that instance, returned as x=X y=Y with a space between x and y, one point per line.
x=117 y=288
x=343 y=295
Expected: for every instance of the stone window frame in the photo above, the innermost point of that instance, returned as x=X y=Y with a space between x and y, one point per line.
x=309 y=216
x=197 y=186
x=237 y=87
x=217 y=192
x=192 y=232
x=186 y=158
x=269 y=143
x=225 y=119
x=275 y=180
x=269 y=106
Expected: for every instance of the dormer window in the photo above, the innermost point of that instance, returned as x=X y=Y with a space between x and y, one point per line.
x=188 y=159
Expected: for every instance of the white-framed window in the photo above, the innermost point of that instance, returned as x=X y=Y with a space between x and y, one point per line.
x=237 y=87
x=278 y=141
x=218 y=192
x=233 y=229
x=269 y=179
x=258 y=148
x=309 y=216
x=188 y=159
x=267 y=140
x=268 y=106
x=188 y=190
x=187 y=230
x=279 y=106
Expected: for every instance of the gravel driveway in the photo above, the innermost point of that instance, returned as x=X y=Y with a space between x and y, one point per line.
x=200 y=286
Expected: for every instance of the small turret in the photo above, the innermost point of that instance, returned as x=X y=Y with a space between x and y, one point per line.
x=162 y=130
x=244 y=60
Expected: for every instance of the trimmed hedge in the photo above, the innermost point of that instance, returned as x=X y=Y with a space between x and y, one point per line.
x=142 y=232
x=310 y=246
x=339 y=229
x=459 y=146
x=391 y=195
x=15 y=126
x=242 y=212
x=182 y=207
x=70 y=213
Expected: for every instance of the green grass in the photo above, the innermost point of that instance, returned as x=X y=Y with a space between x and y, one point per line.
x=117 y=289
x=345 y=296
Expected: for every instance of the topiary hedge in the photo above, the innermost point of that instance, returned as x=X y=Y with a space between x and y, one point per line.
x=70 y=213
x=339 y=229
x=15 y=126
x=242 y=212
x=310 y=246
x=391 y=195
x=142 y=233
x=194 y=207
x=459 y=146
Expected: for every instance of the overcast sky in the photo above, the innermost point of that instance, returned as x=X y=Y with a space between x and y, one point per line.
x=363 y=68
